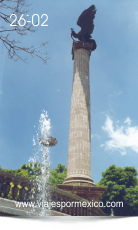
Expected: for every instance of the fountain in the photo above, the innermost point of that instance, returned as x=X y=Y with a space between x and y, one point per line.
x=41 y=194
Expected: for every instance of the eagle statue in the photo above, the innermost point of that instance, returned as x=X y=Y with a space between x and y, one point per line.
x=85 y=21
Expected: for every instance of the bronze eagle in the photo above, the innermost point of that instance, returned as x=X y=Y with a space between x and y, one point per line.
x=85 y=21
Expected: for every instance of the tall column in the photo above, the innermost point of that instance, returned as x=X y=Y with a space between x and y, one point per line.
x=79 y=149
x=78 y=180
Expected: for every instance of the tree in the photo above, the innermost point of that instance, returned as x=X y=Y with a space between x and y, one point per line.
x=122 y=186
x=8 y=33
x=30 y=170
x=58 y=174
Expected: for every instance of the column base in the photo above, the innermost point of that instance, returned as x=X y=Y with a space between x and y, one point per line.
x=92 y=193
x=79 y=181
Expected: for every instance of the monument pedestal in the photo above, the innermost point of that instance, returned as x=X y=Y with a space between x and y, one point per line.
x=85 y=191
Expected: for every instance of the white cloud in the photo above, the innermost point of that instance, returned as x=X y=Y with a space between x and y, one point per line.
x=121 y=138
x=128 y=121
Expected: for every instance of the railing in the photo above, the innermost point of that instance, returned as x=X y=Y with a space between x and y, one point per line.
x=22 y=187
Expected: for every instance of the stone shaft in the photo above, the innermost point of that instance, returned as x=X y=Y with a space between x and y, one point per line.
x=79 y=149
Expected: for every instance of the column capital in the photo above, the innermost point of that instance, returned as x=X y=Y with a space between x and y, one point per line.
x=90 y=46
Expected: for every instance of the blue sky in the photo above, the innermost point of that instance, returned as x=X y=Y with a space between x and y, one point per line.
x=27 y=89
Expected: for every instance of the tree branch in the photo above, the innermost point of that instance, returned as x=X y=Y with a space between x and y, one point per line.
x=17 y=7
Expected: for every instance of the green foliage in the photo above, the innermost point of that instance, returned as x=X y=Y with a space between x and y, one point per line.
x=122 y=186
x=58 y=175
x=27 y=170
x=33 y=170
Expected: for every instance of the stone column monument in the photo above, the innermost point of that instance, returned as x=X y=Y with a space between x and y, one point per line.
x=78 y=180
x=79 y=149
